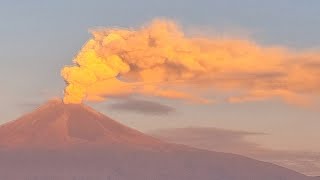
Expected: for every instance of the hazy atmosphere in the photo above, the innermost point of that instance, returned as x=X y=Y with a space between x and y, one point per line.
x=228 y=76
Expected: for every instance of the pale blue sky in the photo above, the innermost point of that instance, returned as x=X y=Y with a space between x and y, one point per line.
x=40 y=37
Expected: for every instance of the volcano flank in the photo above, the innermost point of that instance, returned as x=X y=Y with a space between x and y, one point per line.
x=56 y=125
x=73 y=141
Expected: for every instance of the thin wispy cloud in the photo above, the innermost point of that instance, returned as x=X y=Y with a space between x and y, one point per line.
x=141 y=106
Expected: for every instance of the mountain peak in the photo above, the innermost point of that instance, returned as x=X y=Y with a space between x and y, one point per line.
x=74 y=139
x=56 y=125
x=68 y=108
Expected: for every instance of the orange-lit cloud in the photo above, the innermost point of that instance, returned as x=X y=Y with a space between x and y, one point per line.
x=159 y=60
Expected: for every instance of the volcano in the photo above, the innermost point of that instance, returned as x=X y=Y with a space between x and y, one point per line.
x=66 y=141
x=56 y=125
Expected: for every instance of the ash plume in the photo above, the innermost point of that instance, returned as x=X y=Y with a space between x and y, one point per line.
x=160 y=60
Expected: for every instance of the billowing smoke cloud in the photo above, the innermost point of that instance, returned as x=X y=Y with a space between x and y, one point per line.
x=160 y=60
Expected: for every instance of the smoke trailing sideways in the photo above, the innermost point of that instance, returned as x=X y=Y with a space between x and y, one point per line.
x=160 y=60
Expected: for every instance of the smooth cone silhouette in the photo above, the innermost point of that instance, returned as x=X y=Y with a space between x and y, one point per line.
x=59 y=141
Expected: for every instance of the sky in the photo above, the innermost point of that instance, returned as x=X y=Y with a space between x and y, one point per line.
x=38 y=38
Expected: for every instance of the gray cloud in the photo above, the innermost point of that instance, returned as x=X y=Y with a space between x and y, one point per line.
x=141 y=106
x=236 y=142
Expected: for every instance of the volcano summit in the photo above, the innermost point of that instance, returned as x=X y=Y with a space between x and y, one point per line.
x=67 y=141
